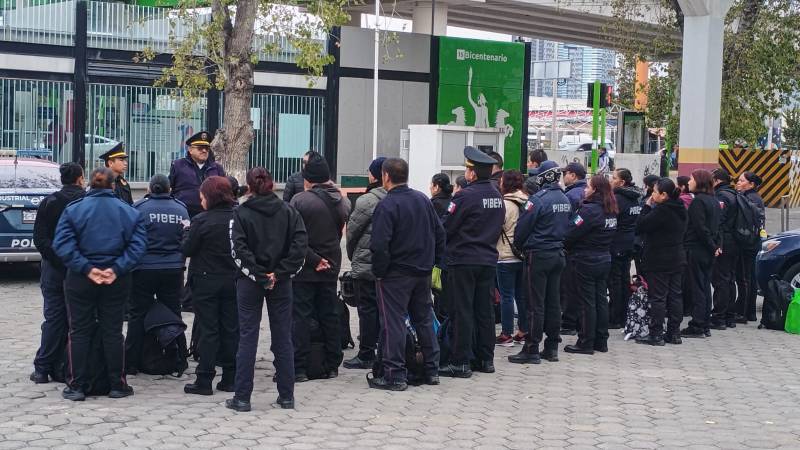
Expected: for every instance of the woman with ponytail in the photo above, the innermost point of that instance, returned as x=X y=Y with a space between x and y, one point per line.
x=662 y=224
x=441 y=193
x=268 y=243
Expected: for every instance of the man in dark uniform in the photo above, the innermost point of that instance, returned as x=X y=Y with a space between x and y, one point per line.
x=187 y=174
x=473 y=224
x=54 y=327
x=540 y=231
x=723 y=277
x=407 y=240
x=117 y=160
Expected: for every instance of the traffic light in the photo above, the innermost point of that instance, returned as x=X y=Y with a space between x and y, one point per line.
x=606 y=95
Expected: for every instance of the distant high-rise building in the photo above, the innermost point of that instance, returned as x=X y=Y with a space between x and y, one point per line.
x=588 y=64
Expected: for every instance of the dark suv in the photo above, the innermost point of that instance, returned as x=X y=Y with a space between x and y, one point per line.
x=779 y=256
x=24 y=182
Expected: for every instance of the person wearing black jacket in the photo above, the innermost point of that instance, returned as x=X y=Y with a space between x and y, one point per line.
x=54 y=327
x=619 y=278
x=441 y=193
x=407 y=240
x=575 y=190
x=589 y=240
x=159 y=275
x=212 y=279
x=324 y=210
x=648 y=182
x=473 y=224
x=268 y=244
x=662 y=225
x=294 y=183
x=747 y=185
x=723 y=276
x=702 y=246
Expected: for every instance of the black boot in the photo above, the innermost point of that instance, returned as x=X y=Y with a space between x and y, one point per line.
x=237 y=405
x=227 y=383
x=285 y=403
x=579 y=350
x=550 y=354
x=692 y=332
x=201 y=386
x=39 y=377
x=650 y=339
x=358 y=363
x=386 y=385
x=455 y=371
x=486 y=367
x=74 y=394
x=525 y=357
x=674 y=339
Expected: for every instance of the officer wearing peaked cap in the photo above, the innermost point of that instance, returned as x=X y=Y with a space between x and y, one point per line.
x=187 y=174
x=117 y=160
x=473 y=224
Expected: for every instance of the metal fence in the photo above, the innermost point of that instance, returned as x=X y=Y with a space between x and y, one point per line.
x=286 y=126
x=36 y=114
x=148 y=120
x=38 y=21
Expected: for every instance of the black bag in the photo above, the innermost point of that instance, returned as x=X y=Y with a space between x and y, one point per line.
x=344 y=320
x=637 y=322
x=164 y=345
x=776 y=302
x=415 y=361
x=347 y=291
x=746 y=227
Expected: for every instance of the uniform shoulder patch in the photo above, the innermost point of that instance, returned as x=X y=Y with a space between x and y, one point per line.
x=721 y=204
x=451 y=208
x=529 y=205
x=578 y=221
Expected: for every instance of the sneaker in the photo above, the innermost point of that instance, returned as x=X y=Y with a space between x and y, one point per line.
x=384 y=385
x=519 y=338
x=358 y=363
x=504 y=340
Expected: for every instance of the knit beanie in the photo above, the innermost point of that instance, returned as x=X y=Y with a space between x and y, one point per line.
x=375 y=167
x=316 y=170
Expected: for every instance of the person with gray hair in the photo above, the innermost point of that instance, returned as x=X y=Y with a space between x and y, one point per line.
x=159 y=275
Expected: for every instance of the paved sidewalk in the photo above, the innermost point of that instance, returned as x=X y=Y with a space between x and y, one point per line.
x=739 y=389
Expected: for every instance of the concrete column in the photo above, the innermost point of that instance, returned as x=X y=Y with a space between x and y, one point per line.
x=701 y=83
x=422 y=18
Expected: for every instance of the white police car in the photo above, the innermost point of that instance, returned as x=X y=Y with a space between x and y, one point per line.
x=25 y=180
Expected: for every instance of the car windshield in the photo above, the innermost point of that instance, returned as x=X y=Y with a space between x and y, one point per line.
x=21 y=178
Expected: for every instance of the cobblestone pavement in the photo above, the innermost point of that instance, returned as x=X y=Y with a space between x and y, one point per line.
x=739 y=389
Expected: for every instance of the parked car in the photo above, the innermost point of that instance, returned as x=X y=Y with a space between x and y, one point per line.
x=779 y=256
x=24 y=183
x=100 y=144
x=587 y=147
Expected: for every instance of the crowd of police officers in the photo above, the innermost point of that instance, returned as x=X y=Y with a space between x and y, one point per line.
x=103 y=254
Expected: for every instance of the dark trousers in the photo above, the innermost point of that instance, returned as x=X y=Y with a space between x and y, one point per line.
x=569 y=296
x=217 y=318
x=91 y=305
x=250 y=297
x=316 y=301
x=591 y=274
x=619 y=281
x=511 y=284
x=723 y=278
x=664 y=295
x=149 y=286
x=472 y=312
x=544 y=301
x=366 y=297
x=698 y=281
x=397 y=295
x=55 y=325
x=440 y=301
x=746 y=282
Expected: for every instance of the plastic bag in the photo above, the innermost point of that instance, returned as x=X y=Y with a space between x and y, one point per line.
x=436 y=279
x=793 y=314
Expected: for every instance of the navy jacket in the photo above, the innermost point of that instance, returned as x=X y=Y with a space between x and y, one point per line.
x=50 y=209
x=185 y=177
x=629 y=210
x=726 y=197
x=163 y=218
x=407 y=235
x=544 y=224
x=591 y=231
x=473 y=224
x=575 y=193
x=100 y=231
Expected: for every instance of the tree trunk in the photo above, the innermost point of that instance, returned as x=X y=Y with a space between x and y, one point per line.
x=232 y=142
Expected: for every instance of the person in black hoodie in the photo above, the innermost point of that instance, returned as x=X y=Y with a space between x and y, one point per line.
x=324 y=210
x=589 y=240
x=54 y=327
x=648 y=182
x=723 y=277
x=441 y=193
x=662 y=224
x=619 y=278
x=747 y=185
x=268 y=244
x=702 y=246
x=212 y=278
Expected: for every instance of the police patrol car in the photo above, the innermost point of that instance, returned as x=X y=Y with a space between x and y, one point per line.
x=25 y=180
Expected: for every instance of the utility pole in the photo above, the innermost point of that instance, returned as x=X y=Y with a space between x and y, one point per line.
x=554 y=131
x=595 y=124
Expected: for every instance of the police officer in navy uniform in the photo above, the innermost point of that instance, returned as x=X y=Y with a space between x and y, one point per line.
x=187 y=174
x=473 y=225
x=540 y=232
x=117 y=160
x=159 y=275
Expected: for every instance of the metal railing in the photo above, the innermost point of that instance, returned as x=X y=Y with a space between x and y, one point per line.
x=38 y=21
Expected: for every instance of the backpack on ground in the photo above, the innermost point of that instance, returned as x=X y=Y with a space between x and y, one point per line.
x=164 y=343
x=793 y=314
x=776 y=303
x=415 y=360
x=637 y=323
x=746 y=227
x=344 y=321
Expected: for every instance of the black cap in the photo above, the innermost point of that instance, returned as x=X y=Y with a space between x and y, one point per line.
x=118 y=151
x=475 y=157
x=202 y=138
x=316 y=170
x=576 y=168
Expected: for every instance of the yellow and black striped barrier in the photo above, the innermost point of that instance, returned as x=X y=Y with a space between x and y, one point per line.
x=775 y=167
